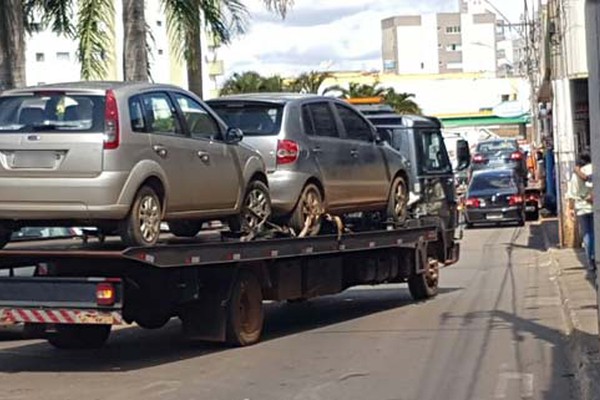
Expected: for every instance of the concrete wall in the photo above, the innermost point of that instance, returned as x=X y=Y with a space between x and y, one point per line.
x=417 y=50
x=479 y=42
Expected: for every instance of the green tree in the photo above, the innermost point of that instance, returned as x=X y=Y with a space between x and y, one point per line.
x=12 y=44
x=253 y=82
x=402 y=103
x=357 y=90
x=309 y=82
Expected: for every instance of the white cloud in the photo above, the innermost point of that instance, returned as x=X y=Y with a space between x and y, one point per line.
x=334 y=34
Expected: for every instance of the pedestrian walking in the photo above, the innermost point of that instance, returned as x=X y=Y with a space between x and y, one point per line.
x=580 y=202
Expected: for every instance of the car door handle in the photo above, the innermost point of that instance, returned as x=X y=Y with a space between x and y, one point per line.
x=203 y=156
x=354 y=153
x=160 y=150
x=317 y=150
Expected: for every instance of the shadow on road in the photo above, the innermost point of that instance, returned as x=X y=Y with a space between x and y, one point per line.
x=134 y=348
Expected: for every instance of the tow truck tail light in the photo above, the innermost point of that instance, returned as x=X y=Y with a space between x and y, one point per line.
x=105 y=294
x=287 y=152
x=473 y=202
x=516 y=199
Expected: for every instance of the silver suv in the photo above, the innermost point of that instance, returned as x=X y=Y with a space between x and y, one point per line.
x=123 y=157
x=321 y=154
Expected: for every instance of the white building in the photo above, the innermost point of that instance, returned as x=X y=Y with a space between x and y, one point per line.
x=471 y=40
x=51 y=58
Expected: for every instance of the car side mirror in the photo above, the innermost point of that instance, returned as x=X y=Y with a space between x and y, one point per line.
x=234 y=135
x=384 y=135
x=463 y=154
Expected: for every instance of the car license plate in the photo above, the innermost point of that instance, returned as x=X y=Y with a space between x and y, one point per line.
x=530 y=208
x=34 y=159
x=494 y=216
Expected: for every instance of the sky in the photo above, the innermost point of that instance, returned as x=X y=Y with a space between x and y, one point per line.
x=327 y=34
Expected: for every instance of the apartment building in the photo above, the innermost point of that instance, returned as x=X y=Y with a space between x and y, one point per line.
x=470 y=40
x=52 y=58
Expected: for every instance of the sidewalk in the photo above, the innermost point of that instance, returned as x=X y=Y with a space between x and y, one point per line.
x=579 y=301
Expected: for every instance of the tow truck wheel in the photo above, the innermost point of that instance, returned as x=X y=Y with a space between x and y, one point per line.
x=245 y=313
x=425 y=285
x=142 y=225
x=76 y=336
x=5 y=235
x=397 y=209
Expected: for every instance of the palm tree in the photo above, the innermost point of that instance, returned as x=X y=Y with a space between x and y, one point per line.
x=12 y=44
x=136 y=66
x=402 y=102
x=309 y=82
x=357 y=90
x=247 y=82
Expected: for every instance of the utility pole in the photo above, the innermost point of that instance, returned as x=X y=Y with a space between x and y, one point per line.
x=592 y=15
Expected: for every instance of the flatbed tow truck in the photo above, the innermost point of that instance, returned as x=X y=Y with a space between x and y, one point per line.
x=214 y=284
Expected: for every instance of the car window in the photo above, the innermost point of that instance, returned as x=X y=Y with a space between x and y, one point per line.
x=356 y=127
x=254 y=119
x=51 y=111
x=433 y=152
x=136 y=114
x=498 y=146
x=199 y=122
x=307 y=121
x=492 y=182
x=158 y=110
x=386 y=121
x=323 y=120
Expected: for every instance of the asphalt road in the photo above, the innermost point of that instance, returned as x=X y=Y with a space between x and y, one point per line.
x=494 y=332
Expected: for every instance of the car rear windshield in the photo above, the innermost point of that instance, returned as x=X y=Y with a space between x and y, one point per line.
x=486 y=182
x=501 y=146
x=386 y=121
x=254 y=119
x=51 y=112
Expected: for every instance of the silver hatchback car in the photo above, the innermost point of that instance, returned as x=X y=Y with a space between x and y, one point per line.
x=123 y=157
x=321 y=154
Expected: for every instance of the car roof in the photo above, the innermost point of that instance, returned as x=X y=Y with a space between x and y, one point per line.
x=407 y=120
x=94 y=86
x=497 y=140
x=495 y=171
x=277 y=97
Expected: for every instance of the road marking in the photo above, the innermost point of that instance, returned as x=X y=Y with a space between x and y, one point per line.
x=525 y=380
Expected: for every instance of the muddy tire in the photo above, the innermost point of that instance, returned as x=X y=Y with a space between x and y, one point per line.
x=74 y=336
x=397 y=208
x=245 y=314
x=310 y=202
x=425 y=285
x=142 y=225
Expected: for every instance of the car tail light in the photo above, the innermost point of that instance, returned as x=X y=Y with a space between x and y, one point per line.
x=473 y=202
x=478 y=159
x=111 y=122
x=105 y=294
x=287 y=152
x=516 y=199
x=516 y=156
x=532 y=197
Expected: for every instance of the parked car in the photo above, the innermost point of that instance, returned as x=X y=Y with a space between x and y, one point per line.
x=123 y=157
x=495 y=196
x=321 y=155
x=500 y=153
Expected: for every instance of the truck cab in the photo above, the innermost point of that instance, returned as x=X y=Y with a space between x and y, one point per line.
x=420 y=141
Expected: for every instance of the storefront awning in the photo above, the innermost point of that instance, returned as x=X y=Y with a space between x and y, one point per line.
x=484 y=121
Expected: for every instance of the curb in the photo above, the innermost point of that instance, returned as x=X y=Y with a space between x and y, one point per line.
x=583 y=357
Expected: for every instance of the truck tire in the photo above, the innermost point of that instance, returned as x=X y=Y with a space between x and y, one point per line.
x=310 y=202
x=397 y=208
x=142 y=225
x=5 y=235
x=76 y=336
x=245 y=312
x=185 y=228
x=425 y=285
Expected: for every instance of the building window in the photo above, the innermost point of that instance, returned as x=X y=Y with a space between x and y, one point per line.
x=159 y=23
x=422 y=65
x=160 y=52
x=453 y=29
x=39 y=57
x=62 y=56
x=501 y=53
x=453 y=47
x=505 y=97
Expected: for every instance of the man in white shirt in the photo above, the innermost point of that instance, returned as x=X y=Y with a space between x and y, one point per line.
x=580 y=196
